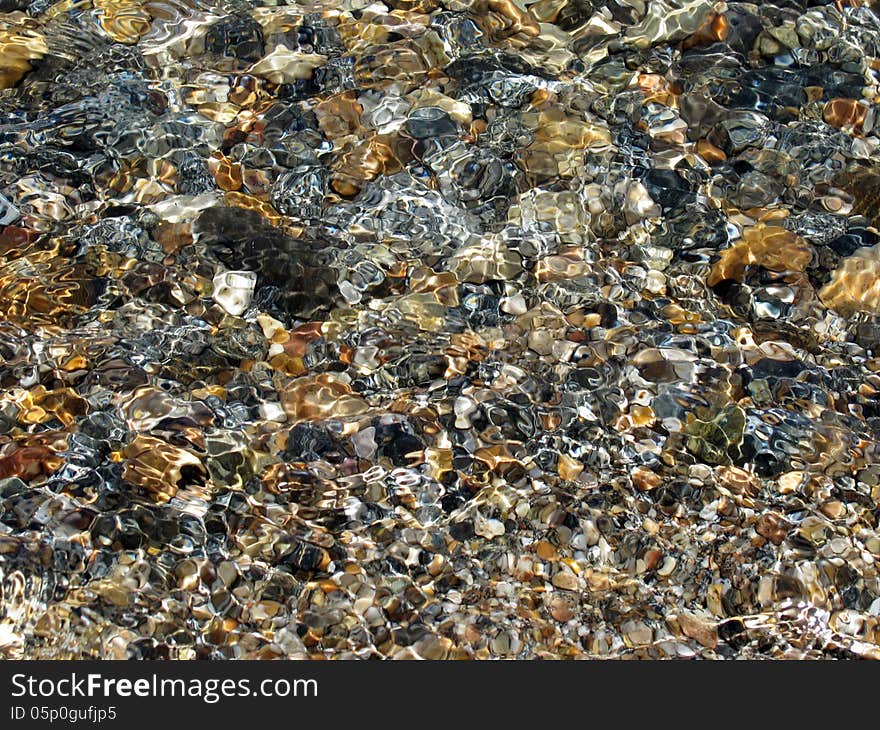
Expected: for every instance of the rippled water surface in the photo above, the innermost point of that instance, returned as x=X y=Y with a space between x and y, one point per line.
x=439 y=329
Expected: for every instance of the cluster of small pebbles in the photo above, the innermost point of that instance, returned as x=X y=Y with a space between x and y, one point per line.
x=439 y=329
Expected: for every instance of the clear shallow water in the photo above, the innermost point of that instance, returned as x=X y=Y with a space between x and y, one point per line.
x=442 y=330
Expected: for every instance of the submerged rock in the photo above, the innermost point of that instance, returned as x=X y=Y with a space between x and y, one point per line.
x=439 y=329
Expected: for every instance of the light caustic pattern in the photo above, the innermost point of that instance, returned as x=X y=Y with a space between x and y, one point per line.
x=439 y=329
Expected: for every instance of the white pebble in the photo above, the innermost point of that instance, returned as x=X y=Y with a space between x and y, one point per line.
x=233 y=290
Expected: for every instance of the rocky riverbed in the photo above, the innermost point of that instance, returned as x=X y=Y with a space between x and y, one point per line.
x=443 y=329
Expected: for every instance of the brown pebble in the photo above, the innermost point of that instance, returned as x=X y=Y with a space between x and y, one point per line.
x=843 y=113
x=645 y=479
x=710 y=153
x=833 y=509
x=560 y=610
x=652 y=559
x=545 y=551
x=772 y=526
x=714 y=29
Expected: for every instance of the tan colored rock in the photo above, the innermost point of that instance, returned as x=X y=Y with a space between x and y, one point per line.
x=320 y=396
x=772 y=247
x=18 y=47
x=698 y=628
x=488 y=260
x=855 y=285
x=283 y=66
x=566 y=581
x=158 y=467
x=637 y=633
x=125 y=21
x=568 y=468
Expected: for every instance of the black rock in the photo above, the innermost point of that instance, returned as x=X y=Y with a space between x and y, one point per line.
x=294 y=279
x=238 y=36
x=309 y=442
x=303 y=556
x=430 y=122
x=394 y=441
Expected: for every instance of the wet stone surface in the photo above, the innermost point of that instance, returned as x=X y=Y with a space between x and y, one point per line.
x=441 y=329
